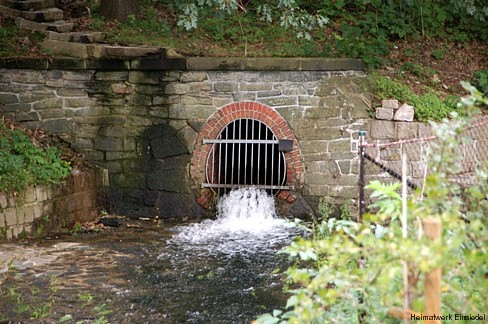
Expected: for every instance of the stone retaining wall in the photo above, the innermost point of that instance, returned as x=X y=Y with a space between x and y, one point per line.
x=49 y=208
x=140 y=119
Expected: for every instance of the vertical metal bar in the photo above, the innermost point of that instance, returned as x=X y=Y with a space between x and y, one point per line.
x=239 y=155
x=220 y=165
x=274 y=149
x=266 y=159
x=259 y=153
x=252 y=154
x=361 y=175
x=278 y=182
x=245 y=153
x=226 y=155
x=233 y=146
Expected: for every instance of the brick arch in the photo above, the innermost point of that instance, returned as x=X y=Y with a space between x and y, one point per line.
x=220 y=119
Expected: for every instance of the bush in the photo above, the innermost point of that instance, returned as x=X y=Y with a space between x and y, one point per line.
x=480 y=80
x=353 y=273
x=22 y=163
x=428 y=106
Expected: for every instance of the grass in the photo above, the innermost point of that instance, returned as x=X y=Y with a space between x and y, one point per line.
x=428 y=106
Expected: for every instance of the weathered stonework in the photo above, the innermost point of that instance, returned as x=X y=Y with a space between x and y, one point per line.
x=39 y=210
x=142 y=119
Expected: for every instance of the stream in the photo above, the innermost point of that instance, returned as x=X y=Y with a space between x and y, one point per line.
x=216 y=271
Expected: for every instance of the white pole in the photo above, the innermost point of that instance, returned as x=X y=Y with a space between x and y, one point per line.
x=406 y=302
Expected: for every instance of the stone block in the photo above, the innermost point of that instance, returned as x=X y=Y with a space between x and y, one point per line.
x=28 y=214
x=406 y=130
x=244 y=86
x=279 y=101
x=78 y=102
x=177 y=88
x=190 y=111
x=389 y=103
x=49 y=14
x=313 y=146
x=159 y=112
x=16 y=107
x=344 y=167
x=404 y=113
x=343 y=192
x=225 y=86
x=193 y=76
x=195 y=100
x=118 y=155
x=384 y=113
x=92 y=111
x=144 y=77
x=70 y=92
x=269 y=93
x=382 y=129
x=316 y=190
x=30 y=194
x=82 y=144
x=93 y=155
x=65 y=48
x=10 y=215
x=50 y=103
x=149 y=89
x=339 y=146
x=130 y=51
x=108 y=144
x=322 y=112
x=316 y=178
x=57 y=126
x=200 y=88
x=308 y=101
x=8 y=98
x=29 y=116
x=425 y=130
x=112 y=76
x=3 y=201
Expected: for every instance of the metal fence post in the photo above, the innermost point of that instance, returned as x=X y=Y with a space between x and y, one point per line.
x=362 y=134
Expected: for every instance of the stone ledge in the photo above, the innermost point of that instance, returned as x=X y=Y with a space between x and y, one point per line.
x=170 y=62
x=68 y=63
x=272 y=64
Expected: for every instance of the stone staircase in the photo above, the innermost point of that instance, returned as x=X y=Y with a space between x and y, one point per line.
x=42 y=16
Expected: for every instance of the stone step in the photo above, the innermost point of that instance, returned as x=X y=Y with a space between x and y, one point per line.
x=79 y=37
x=69 y=49
x=28 y=5
x=72 y=49
x=44 y=15
x=59 y=26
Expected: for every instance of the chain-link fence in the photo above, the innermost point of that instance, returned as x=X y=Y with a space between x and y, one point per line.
x=382 y=160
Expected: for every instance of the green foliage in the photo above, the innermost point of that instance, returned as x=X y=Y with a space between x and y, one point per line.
x=287 y=13
x=428 y=106
x=480 y=80
x=354 y=273
x=22 y=163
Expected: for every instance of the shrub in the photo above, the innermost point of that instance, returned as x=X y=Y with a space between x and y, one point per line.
x=428 y=106
x=22 y=163
x=353 y=274
x=480 y=80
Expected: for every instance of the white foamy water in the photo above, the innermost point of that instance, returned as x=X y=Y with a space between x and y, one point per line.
x=246 y=221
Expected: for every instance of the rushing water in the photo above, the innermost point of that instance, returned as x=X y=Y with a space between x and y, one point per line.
x=217 y=271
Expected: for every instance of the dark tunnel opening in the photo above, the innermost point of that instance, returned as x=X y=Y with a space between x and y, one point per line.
x=246 y=154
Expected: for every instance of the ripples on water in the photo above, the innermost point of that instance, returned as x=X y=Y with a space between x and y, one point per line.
x=228 y=268
x=217 y=271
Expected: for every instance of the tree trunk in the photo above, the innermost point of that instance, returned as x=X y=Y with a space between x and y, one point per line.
x=120 y=9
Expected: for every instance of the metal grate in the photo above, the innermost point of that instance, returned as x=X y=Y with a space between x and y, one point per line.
x=246 y=153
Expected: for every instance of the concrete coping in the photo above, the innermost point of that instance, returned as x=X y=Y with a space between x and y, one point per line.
x=186 y=63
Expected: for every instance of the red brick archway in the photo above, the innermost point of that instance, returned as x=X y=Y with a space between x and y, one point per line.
x=240 y=110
